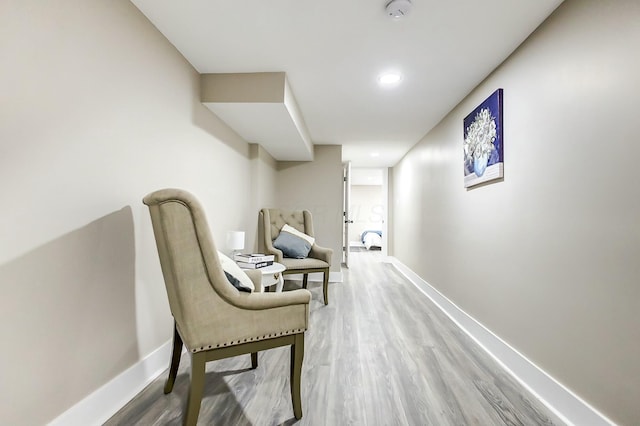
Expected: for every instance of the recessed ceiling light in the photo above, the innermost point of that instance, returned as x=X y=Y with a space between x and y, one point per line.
x=375 y=154
x=389 y=78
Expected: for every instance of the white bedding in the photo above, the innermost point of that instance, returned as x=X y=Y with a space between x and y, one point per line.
x=371 y=239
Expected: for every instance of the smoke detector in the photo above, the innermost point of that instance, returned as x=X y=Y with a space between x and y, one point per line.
x=398 y=8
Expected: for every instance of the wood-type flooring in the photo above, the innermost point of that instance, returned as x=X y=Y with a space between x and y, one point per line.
x=381 y=353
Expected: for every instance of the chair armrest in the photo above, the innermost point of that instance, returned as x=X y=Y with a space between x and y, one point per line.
x=256 y=278
x=321 y=253
x=259 y=301
x=246 y=317
x=270 y=249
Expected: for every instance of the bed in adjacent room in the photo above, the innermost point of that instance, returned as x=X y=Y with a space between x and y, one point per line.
x=372 y=240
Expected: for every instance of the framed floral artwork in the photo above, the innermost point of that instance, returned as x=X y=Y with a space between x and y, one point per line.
x=483 y=144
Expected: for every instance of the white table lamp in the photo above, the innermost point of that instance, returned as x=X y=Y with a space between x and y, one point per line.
x=235 y=241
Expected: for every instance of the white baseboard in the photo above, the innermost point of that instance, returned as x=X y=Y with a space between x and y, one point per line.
x=334 y=276
x=103 y=403
x=562 y=401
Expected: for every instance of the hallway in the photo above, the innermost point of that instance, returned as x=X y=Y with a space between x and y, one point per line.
x=381 y=353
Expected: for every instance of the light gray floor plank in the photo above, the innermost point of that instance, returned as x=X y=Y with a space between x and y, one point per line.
x=380 y=354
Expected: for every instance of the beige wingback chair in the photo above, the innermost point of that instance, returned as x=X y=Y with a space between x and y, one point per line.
x=271 y=221
x=212 y=318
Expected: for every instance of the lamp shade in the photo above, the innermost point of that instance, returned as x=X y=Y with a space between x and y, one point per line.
x=235 y=240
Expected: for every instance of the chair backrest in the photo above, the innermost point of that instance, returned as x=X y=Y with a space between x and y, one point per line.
x=193 y=276
x=274 y=219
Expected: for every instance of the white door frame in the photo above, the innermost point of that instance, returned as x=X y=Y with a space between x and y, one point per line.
x=346 y=206
x=385 y=208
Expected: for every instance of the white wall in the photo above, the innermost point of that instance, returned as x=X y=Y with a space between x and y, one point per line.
x=97 y=110
x=366 y=211
x=548 y=258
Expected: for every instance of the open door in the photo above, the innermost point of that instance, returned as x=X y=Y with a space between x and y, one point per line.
x=346 y=175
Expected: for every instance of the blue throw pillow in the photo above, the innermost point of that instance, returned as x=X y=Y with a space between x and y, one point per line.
x=292 y=246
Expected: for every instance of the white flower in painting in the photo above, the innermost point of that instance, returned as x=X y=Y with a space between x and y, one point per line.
x=480 y=136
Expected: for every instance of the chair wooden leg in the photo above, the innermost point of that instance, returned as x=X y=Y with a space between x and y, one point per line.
x=297 y=355
x=198 y=361
x=254 y=360
x=175 y=360
x=325 y=286
x=305 y=278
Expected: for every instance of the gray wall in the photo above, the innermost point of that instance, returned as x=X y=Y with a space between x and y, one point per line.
x=264 y=191
x=548 y=258
x=316 y=186
x=97 y=110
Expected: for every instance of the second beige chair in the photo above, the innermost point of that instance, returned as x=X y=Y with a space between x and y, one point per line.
x=270 y=223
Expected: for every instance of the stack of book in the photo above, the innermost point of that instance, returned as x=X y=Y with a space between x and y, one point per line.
x=253 y=260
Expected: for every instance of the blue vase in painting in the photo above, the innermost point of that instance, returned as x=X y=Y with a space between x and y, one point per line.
x=480 y=164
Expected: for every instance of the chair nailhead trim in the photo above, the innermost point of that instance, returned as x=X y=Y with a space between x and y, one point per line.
x=251 y=339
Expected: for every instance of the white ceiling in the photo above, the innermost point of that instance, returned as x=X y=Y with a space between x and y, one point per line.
x=332 y=52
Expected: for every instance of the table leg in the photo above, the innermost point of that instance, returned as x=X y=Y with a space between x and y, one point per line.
x=280 y=283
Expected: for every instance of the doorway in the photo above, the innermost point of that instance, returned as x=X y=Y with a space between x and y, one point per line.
x=366 y=225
